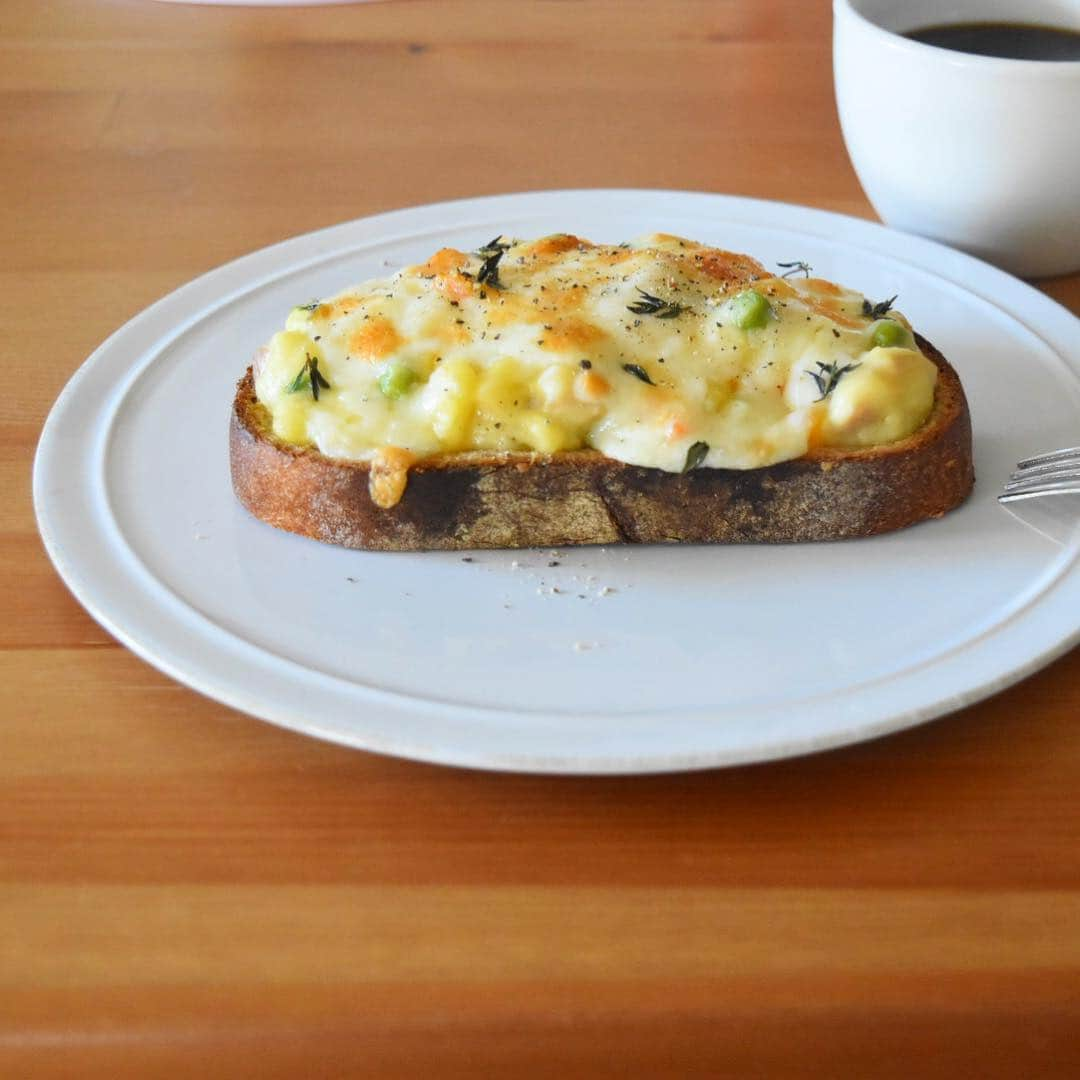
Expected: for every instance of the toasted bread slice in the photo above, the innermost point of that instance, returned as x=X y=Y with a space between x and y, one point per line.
x=481 y=499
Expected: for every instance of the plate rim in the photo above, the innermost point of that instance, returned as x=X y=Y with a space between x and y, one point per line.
x=741 y=209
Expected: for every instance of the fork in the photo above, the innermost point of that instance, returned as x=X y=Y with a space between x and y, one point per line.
x=1055 y=473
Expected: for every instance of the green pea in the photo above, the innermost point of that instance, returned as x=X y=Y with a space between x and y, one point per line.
x=749 y=310
x=396 y=380
x=889 y=333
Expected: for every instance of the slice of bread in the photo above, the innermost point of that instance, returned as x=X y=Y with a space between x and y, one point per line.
x=482 y=499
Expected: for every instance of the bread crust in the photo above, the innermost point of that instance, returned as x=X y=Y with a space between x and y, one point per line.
x=513 y=500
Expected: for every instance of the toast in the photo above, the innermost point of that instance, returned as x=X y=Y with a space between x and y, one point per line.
x=491 y=497
x=511 y=500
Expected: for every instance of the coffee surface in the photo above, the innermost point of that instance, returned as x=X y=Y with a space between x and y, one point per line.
x=1009 y=41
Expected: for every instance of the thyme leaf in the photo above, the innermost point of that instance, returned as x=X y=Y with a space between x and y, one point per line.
x=301 y=382
x=309 y=377
x=493 y=245
x=489 y=270
x=877 y=311
x=828 y=375
x=796 y=267
x=308 y=307
x=638 y=372
x=491 y=253
x=695 y=456
x=653 y=305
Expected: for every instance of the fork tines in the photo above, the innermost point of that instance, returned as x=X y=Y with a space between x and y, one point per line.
x=1071 y=453
x=1045 y=474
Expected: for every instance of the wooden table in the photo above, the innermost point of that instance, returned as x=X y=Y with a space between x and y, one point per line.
x=186 y=891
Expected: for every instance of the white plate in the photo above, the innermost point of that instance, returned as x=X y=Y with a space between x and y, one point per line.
x=650 y=659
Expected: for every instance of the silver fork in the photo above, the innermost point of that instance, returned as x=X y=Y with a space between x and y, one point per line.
x=1055 y=473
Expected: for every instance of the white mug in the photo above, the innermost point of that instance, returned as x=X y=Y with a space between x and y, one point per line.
x=981 y=153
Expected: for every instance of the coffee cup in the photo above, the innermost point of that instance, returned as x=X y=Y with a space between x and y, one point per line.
x=980 y=152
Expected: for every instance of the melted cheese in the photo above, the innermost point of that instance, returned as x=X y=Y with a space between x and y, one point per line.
x=550 y=354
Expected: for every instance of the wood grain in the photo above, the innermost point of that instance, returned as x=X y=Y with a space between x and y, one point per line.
x=185 y=891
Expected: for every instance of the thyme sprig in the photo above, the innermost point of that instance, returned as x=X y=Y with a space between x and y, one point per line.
x=796 y=267
x=309 y=377
x=639 y=373
x=697 y=453
x=491 y=253
x=880 y=310
x=828 y=375
x=653 y=305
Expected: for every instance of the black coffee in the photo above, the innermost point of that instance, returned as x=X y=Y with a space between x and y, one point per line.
x=1009 y=41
